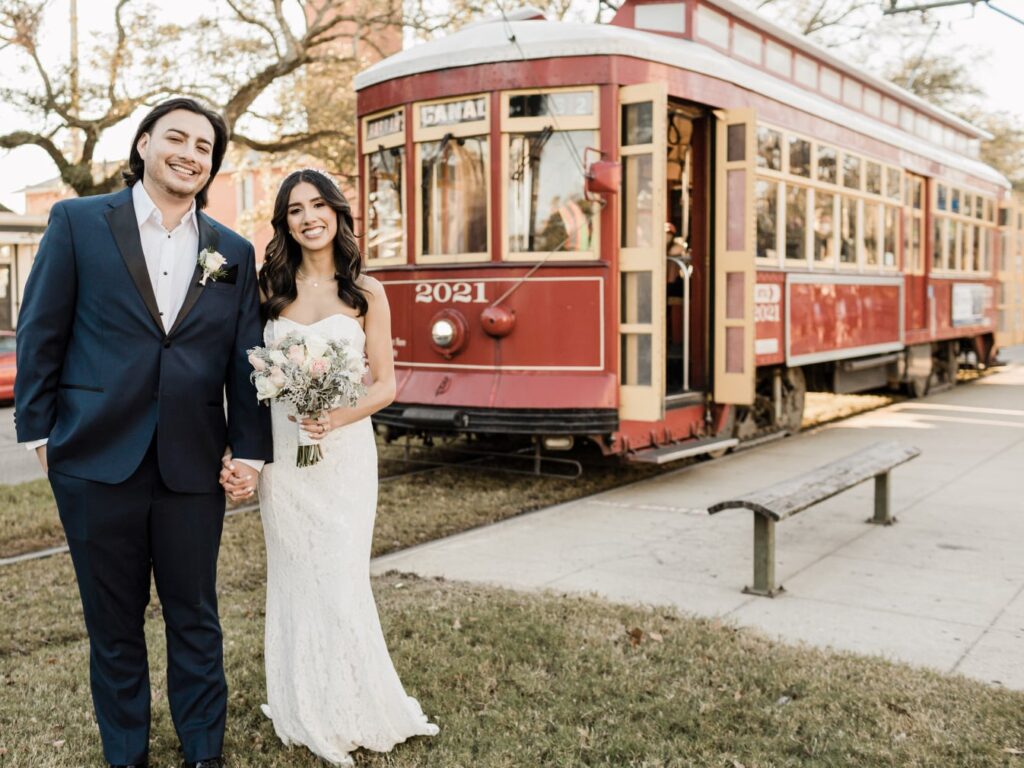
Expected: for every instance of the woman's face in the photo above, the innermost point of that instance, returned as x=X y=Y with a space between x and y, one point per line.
x=311 y=221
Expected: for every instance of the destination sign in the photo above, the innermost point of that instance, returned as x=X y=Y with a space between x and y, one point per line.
x=385 y=126
x=561 y=103
x=453 y=112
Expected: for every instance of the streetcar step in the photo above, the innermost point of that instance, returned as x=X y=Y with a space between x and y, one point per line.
x=676 y=451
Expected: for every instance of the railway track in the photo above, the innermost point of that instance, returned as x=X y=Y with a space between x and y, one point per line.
x=829 y=408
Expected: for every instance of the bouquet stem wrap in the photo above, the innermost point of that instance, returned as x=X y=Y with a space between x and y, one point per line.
x=309 y=451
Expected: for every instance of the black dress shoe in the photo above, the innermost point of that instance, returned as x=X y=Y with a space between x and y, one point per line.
x=143 y=764
x=213 y=762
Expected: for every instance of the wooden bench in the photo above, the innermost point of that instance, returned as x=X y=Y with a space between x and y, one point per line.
x=783 y=500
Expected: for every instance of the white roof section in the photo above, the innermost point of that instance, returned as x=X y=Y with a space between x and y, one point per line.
x=489 y=44
x=807 y=46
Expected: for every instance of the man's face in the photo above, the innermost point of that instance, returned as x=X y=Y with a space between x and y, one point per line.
x=178 y=153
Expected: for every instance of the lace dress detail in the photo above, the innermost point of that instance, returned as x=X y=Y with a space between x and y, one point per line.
x=331 y=685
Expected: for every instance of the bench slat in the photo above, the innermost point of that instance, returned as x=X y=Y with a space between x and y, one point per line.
x=791 y=496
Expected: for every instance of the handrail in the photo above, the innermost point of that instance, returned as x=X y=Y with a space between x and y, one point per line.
x=686 y=270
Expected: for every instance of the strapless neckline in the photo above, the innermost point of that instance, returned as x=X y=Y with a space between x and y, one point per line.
x=324 y=320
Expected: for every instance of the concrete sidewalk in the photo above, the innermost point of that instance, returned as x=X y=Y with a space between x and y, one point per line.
x=943 y=588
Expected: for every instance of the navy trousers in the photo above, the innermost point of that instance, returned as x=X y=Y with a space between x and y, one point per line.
x=118 y=535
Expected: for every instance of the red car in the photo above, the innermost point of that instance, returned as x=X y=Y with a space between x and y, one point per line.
x=7 y=366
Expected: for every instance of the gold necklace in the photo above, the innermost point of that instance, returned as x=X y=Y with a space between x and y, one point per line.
x=315 y=282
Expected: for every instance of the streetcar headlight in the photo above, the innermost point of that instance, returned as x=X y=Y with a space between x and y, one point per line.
x=443 y=332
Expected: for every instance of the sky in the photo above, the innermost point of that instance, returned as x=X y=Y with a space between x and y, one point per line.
x=978 y=28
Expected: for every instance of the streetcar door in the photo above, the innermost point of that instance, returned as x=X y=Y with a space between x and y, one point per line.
x=642 y=148
x=734 y=271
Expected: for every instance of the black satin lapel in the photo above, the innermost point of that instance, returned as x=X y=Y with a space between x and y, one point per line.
x=207 y=239
x=125 y=228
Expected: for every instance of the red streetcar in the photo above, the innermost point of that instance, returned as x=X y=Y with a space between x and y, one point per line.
x=658 y=233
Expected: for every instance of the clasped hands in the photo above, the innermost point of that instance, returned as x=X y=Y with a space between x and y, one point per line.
x=239 y=479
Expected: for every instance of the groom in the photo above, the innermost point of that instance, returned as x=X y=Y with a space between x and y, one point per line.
x=135 y=323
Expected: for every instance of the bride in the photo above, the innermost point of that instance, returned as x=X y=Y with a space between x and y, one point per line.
x=331 y=686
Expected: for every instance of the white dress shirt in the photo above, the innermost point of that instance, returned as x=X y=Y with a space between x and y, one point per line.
x=171 y=260
x=170 y=254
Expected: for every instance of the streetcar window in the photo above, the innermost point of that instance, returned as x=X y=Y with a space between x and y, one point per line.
x=847 y=230
x=799 y=157
x=766 y=207
x=827 y=164
x=873 y=178
x=637 y=123
x=546 y=208
x=969 y=204
x=871 y=239
x=384 y=211
x=454 y=199
x=559 y=103
x=939 y=243
x=851 y=171
x=638 y=201
x=893 y=177
x=982 y=209
x=918 y=194
x=824 y=218
x=891 y=225
x=940 y=196
x=912 y=244
x=769 y=149
x=954 y=200
x=951 y=256
x=636 y=359
x=979 y=248
x=796 y=223
x=736 y=144
x=636 y=299
x=970 y=241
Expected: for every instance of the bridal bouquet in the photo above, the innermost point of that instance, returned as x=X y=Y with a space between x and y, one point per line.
x=313 y=375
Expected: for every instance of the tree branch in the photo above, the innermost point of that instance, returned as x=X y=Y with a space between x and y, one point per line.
x=25 y=138
x=243 y=16
x=286 y=143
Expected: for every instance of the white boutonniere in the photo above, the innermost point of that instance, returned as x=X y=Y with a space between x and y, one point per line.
x=211 y=262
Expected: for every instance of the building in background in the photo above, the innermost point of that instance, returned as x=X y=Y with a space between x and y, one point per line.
x=19 y=238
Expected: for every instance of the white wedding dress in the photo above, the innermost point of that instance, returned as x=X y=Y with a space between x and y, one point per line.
x=331 y=685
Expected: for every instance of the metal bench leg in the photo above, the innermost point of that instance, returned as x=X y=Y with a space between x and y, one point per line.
x=764 y=558
x=883 y=499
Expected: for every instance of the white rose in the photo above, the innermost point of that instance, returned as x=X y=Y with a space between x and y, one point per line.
x=213 y=261
x=265 y=388
x=278 y=357
x=316 y=346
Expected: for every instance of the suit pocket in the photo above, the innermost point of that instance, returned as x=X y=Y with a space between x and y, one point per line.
x=82 y=387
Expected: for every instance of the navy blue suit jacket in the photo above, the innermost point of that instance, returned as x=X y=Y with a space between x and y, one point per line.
x=98 y=375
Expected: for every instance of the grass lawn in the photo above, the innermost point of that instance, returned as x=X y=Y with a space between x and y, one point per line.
x=522 y=680
x=411 y=509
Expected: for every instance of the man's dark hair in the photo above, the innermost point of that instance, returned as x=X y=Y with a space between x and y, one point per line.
x=136 y=167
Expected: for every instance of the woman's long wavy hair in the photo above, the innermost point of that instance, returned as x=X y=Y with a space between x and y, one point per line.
x=284 y=255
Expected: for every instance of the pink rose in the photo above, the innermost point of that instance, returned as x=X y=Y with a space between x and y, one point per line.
x=257 y=363
x=297 y=354
x=318 y=366
x=277 y=377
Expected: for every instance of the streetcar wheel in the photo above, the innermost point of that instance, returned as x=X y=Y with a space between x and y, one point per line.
x=794 y=392
x=916 y=386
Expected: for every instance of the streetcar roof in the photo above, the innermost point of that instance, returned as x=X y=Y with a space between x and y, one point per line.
x=488 y=42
